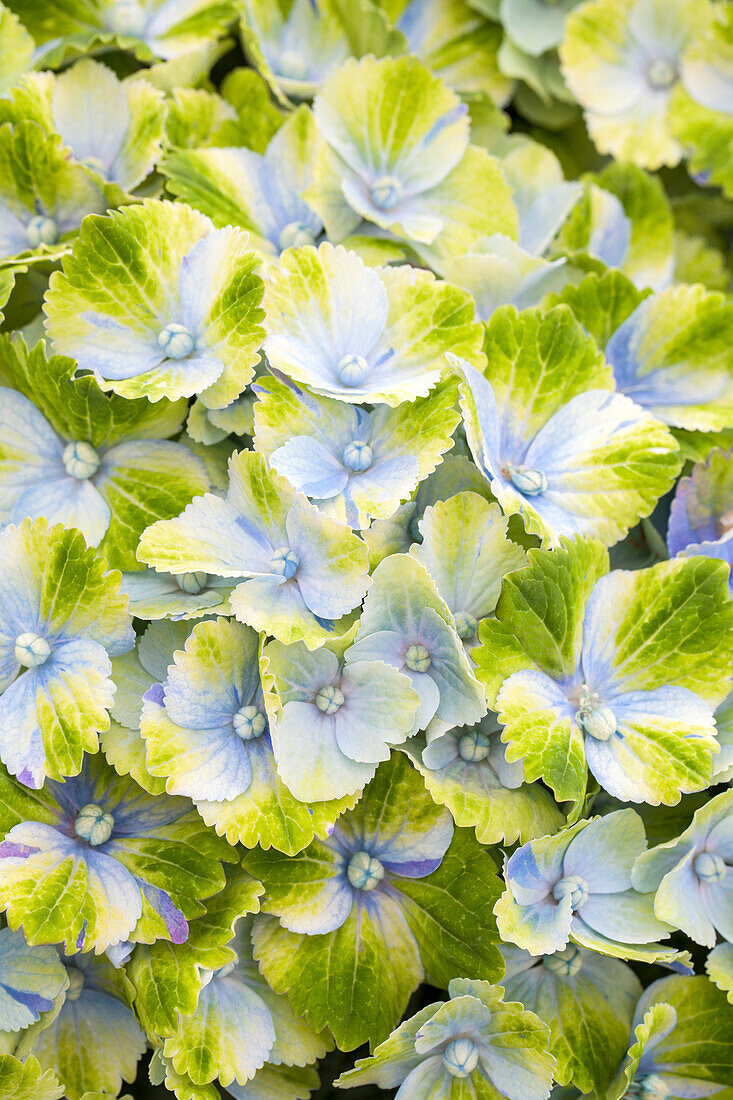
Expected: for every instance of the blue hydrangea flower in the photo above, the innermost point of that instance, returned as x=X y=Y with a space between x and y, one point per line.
x=701 y=516
x=475 y=1044
x=98 y=861
x=555 y=442
x=359 y=333
x=355 y=464
x=31 y=978
x=406 y=624
x=195 y=330
x=296 y=45
x=239 y=1025
x=577 y=886
x=89 y=487
x=185 y=596
x=62 y=617
x=362 y=861
x=335 y=722
x=44 y=195
x=693 y=874
x=303 y=570
x=260 y=192
x=94 y=1042
x=677 y=1017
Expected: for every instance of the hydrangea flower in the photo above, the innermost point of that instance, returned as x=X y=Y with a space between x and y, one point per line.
x=622 y=220
x=75 y=456
x=259 y=192
x=535 y=25
x=114 y=127
x=363 y=334
x=43 y=194
x=576 y=887
x=239 y=1025
x=178 y=597
x=406 y=624
x=475 y=1041
x=298 y=43
x=396 y=153
x=150 y=28
x=364 y=913
x=693 y=874
x=31 y=980
x=554 y=441
x=701 y=108
x=303 y=570
x=623 y=676
x=396 y=534
x=588 y=1001
x=671 y=356
x=62 y=618
x=622 y=60
x=680 y=1045
x=94 y=1043
x=208 y=735
x=96 y=860
x=466 y=551
x=335 y=722
x=466 y=769
x=134 y=673
x=456 y=43
x=196 y=329
x=354 y=464
x=500 y=271
x=701 y=517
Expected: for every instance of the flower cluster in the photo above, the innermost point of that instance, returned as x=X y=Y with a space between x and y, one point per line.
x=366 y=549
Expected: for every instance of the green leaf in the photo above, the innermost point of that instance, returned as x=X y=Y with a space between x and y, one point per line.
x=27 y=1081
x=539 y=615
x=449 y=911
x=601 y=303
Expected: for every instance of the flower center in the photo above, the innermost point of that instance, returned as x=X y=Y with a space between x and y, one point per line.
x=295 y=235
x=649 y=1087
x=192 y=583
x=249 y=722
x=352 y=370
x=175 y=341
x=330 y=699
x=474 y=746
x=292 y=65
x=661 y=73
x=93 y=824
x=41 y=230
x=417 y=658
x=596 y=719
x=80 y=460
x=76 y=983
x=564 y=963
x=364 y=871
x=460 y=1057
x=284 y=562
x=386 y=192
x=529 y=482
x=126 y=17
x=31 y=650
x=466 y=624
x=574 y=887
x=357 y=456
x=709 y=868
